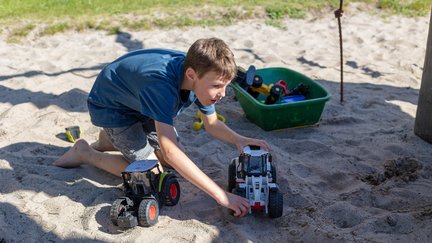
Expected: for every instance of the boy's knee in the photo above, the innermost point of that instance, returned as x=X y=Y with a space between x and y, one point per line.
x=142 y=154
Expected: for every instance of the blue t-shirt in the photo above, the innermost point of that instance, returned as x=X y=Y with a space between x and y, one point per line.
x=141 y=85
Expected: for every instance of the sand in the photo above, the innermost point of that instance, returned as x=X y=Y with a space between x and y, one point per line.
x=360 y=176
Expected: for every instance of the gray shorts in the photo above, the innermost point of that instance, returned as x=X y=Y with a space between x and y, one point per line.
x=135 y=142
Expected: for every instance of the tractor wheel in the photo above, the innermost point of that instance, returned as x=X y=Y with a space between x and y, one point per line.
x=170 y=190
x=118 y=208
x=148 y=212
x=231 y=176
x=257 y=81
x=275 y=205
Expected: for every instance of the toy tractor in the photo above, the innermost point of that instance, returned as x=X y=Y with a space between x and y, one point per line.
x=253 y=176
x=145 y=193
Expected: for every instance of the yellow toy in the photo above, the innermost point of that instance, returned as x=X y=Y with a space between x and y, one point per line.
x=199 y=124
x=258 y=87
x=263 y=89
x=73 y=133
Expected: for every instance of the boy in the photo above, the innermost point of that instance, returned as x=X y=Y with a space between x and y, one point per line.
x=135 y=98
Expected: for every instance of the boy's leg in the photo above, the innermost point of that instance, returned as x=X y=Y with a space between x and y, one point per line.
x=83 y=153
x=130 y=141
x=135 y=142
x=103 y=143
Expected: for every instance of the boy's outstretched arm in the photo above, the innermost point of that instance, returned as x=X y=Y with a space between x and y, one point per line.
x=175 y=157
x=222 y=132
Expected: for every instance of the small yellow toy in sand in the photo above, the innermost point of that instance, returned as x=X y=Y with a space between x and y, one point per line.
x=73 y=133
x=199 y=124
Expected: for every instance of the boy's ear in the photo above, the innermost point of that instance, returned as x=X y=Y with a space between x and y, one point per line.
x=191 y=74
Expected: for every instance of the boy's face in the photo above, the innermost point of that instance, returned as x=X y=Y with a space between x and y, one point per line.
x=210 y=88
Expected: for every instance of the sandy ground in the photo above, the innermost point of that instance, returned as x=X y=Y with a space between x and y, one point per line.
x=361 y=175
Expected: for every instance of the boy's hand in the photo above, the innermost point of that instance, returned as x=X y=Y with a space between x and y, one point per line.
x=239 y=205
x=252 y=141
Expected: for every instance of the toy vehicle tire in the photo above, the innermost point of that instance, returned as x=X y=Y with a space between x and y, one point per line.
x=275 y=206
x=148 y=212
x=257 y=81
x=232 y=176
x=170 y=190
x=117 y=208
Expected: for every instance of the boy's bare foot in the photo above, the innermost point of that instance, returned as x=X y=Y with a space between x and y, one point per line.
x=73 y=157
x=103 y=143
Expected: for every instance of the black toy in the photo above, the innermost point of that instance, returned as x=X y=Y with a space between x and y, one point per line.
x=145 y=193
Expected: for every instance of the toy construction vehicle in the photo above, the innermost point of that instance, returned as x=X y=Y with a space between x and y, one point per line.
x=274 y=93
x=253 y=176
x=145 y=193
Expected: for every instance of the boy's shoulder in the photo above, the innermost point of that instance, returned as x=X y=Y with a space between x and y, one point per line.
x=152 y=63
x=155 y=52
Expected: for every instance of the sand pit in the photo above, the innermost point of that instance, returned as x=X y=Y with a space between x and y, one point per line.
x=337 y=180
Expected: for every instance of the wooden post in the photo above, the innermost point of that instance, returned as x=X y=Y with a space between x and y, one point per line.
x=423 y=120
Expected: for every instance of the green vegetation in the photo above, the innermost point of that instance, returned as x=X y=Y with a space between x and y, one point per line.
x=115 y=15
x=55 y=28
x=408 y=8
x=20 y=32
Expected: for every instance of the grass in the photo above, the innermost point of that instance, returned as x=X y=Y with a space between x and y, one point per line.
x=407 y=8
x=114 y=15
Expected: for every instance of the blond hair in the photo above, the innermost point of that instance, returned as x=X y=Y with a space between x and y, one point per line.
x=211 y=54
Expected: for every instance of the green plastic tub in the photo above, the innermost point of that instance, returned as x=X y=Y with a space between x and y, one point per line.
x=285 y=115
